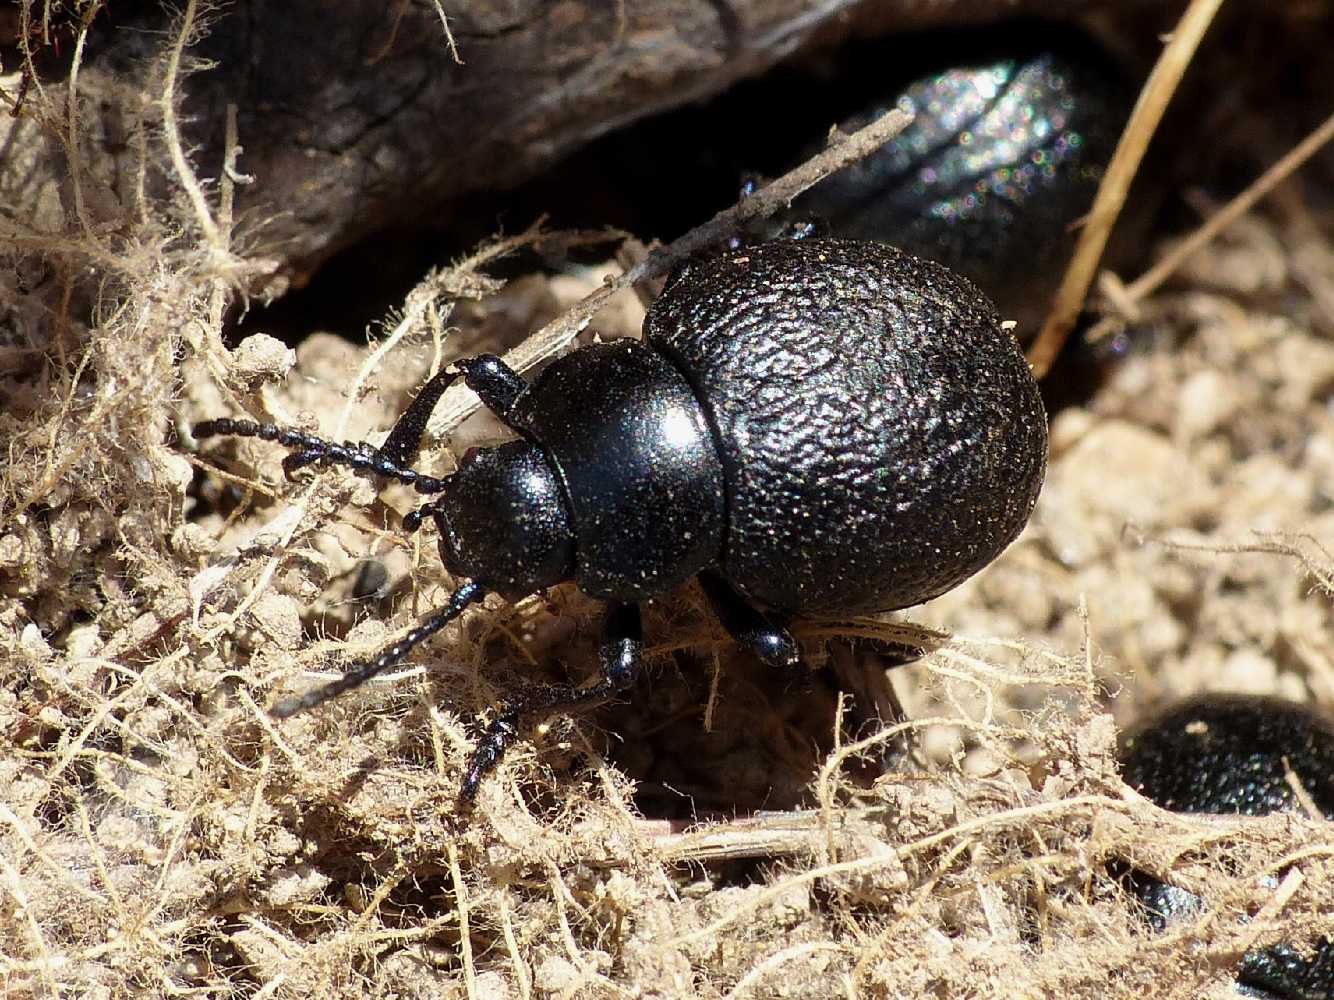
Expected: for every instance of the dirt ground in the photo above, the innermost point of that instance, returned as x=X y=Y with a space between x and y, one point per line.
x=715 y=834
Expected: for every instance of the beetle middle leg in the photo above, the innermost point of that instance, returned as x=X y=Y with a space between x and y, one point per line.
x=621 y=654
x=750 y=627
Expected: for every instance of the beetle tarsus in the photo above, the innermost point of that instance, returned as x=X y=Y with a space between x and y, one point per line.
x=495 y=741
x=298 y=460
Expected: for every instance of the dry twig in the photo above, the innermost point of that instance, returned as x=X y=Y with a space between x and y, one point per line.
x=459 y=401
x=1153 y=101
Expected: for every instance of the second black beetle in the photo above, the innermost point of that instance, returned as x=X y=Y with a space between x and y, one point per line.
x=1236 y=754
x=816 y=426
x=1004 y=155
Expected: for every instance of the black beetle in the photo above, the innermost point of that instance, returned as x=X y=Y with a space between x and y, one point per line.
x=808 y=426
x=1003 y=157
x=1233 y=754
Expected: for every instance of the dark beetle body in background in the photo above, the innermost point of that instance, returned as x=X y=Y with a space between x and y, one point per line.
x=1014 y=124
x=1003 y=158
x=1237 y=746
x=810 y=426
x=1231 y=754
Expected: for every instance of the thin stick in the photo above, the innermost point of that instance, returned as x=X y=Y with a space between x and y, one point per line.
x=172 y=135
x=1149 y=281
x=465 y=933
x=1088 y=805
x=72 y=139
x=1153 y=100
x=217 y=299
x=459 y=401
x=778 y=958
x=449 y=35
x=512 y=946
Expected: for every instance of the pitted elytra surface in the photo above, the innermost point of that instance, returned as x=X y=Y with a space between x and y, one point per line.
x=881 y=435
x=1237 y=755
x=1233 y=754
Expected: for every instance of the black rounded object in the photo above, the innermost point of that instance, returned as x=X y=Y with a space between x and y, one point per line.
x=637 y=459
x=1003 y=157
x=882 y=437
x=514 y=549
x=1226 y=754
x=1231 y=754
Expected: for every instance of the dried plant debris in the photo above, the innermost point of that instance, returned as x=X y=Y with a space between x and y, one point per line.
x=713 y=835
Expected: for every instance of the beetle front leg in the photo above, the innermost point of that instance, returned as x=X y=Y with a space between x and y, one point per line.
x=621 y=654
x=746 y=624
x=496 y=384
x=359 y=673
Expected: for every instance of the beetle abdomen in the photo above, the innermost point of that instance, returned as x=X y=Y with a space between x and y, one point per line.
x=882 y=438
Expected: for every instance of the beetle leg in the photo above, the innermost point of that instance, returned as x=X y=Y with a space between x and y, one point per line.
x=496 y=384
x=412 y=520
x=746 y=624
x=406 y=436
x=360 y=673
x=862 y=668
x=621 y=654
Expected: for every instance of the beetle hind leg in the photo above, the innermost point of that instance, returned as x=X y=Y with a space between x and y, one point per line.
x=621 y=654
x=750 y=627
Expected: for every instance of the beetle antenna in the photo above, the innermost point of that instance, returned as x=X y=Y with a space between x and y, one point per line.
x=360 y=673
x=390 y=460
x=308 y=449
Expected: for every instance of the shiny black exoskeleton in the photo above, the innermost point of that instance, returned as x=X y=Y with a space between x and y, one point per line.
x=1002 y=159
x=1232 y=754
x=807 y=426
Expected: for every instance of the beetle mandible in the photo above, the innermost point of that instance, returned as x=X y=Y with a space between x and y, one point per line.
x=813 y=426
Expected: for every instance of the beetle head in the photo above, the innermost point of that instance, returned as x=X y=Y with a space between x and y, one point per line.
x=503 y=521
